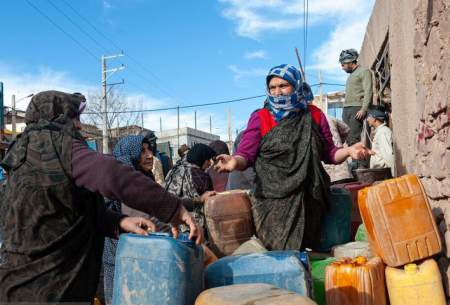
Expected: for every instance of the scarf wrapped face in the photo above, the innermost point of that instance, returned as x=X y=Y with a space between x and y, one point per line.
x=286 y=105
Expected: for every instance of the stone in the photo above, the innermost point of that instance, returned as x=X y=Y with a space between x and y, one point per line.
x=431 y=186
x=445 y=188
x=439 y=157
x=443 y=119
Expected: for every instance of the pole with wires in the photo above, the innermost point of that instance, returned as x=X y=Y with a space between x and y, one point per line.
x=178 y=127
x=105 y=72
x=300 y=65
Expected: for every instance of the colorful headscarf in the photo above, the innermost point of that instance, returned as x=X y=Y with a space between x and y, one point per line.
x=128 y=150
x=285 y=106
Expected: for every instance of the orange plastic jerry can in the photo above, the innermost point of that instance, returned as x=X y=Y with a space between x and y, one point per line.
x=355 y=282
x=399 y=223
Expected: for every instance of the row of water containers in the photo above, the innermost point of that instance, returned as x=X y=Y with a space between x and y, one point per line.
x=158 y=269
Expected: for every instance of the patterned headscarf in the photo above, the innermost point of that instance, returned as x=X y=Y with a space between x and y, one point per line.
x=128 y=150
x=285 y=106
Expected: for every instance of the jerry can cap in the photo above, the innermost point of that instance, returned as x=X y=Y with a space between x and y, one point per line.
x=411 y=268
x=360 y=260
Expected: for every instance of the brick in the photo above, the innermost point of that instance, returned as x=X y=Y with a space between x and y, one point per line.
x=431 y=188
x=439 y=166
x=445 y=188
x=423 y=167
x=443 y=119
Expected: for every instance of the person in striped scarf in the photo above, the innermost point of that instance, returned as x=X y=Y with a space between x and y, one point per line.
x=286 y=141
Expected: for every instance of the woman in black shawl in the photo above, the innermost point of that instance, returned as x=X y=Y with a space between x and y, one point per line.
x=286 y=142
x=52 y=216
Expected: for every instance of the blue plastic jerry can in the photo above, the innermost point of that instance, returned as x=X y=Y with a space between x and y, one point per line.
x=283 y=269
x=336 y=225
x=157 y=270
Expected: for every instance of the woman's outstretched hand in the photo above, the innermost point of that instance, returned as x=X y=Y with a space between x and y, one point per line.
x=225 y=163
x=359 y=152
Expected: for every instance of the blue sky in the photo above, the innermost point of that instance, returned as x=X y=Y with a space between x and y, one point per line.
x=189 y=52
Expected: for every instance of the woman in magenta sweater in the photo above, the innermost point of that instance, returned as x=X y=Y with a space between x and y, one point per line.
x=286 y=142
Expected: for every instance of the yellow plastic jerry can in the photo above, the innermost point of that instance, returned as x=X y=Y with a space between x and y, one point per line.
x=415 y=284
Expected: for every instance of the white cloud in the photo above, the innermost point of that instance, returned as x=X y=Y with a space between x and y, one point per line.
x=260 y=54
x=22 y=84
x=107 y=5
x=240 y=73
x=253 y=18
x=347 y=35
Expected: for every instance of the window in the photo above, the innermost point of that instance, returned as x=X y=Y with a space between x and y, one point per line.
x=382 y=76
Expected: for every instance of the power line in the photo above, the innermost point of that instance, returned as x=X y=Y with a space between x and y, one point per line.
x=187 y=106
x=328 y=84
x=198 y=105
x=62 y=30
x=132 y=58
x=91 y=25
x=103 y=48
x=99 y=45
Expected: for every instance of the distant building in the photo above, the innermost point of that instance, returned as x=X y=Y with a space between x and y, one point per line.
x=93 y=136
x=126 y=131
x=331 y=103
x=20 y=121
x=189 y=136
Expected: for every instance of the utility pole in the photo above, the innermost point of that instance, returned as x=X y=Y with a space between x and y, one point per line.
x=160 y=124
x=142 y=120
x=105 y=77
x=195 y=119
x=14 y=119
x=210 y=125
x=230 y=136
x=320 y=91
x=178 y=126
x=2 y=114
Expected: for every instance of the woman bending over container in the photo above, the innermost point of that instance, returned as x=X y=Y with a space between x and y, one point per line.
x=53 y=218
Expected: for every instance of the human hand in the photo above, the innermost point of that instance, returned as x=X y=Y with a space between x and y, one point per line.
x=137 y=225
x=206 y=195
x=226 y=163
x=360 y=115
x=359 y=152
x=183 y=217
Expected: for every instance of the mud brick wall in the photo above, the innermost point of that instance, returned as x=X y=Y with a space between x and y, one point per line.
x=432 y=73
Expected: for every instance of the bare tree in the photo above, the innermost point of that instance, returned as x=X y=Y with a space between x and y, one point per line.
x=117 y=105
